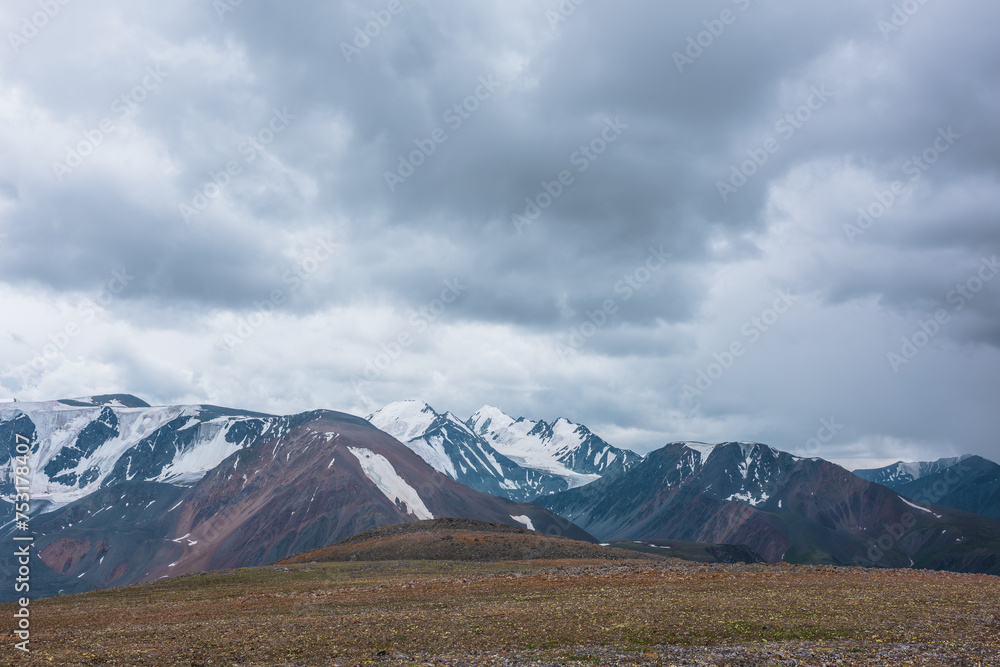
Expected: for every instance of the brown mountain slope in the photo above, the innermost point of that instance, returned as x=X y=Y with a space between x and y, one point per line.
x=322 y=477
x=783 y=507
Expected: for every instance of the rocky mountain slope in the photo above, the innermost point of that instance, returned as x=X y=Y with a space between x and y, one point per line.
x=904 y=472
x=783 y=507
x=143 y=493
x=972 y=485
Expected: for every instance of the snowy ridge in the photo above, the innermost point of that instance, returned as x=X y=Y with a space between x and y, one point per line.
x=704 y=449
x=190 y=465
x=743 y=472
x=753 y=470
x=404 y=420
x=563 y=448
x=82 y=444
x=409 y=422
x=448 y=445
x=58 y=426
x=903 y=472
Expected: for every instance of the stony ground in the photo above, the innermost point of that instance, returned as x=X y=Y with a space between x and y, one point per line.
x=528 y=612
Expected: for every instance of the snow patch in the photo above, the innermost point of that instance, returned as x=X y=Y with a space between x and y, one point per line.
x=523 y=519
x=404 y=420
x=432 y=451
x=209 y=450
x=191 y=422
x=749 y=498
x=380 y=471
x=703 y=448
x=923 y=509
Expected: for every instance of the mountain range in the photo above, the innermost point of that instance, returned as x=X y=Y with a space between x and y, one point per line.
x=784 y=507
x=125 y=492
x=492 y=452
x=969 y=483
x=903 y=472
x=972 y=485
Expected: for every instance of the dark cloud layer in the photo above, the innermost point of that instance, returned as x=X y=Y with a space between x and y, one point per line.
x=241 y=178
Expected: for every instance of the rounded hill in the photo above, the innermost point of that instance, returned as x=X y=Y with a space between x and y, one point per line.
x=460 y=539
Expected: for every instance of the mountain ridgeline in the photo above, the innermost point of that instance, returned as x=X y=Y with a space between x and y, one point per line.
x=900 y=473
x=132 y=494
x=495 y=453
x=783 y=507
x=124 y=492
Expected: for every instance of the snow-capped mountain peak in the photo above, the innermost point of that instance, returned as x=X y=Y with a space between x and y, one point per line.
x=83 y=444
x=497 y=453
x=404 y=420
x=128 y=494
x=450 y=446
x=489 y=417
x=561 y=448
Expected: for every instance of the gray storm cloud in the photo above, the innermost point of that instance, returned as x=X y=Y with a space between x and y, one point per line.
x=293 y=186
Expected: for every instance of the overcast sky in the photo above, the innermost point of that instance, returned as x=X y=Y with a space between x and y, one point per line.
x=642 y=216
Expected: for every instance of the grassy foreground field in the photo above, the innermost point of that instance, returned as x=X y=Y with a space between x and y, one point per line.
x=568 y=612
